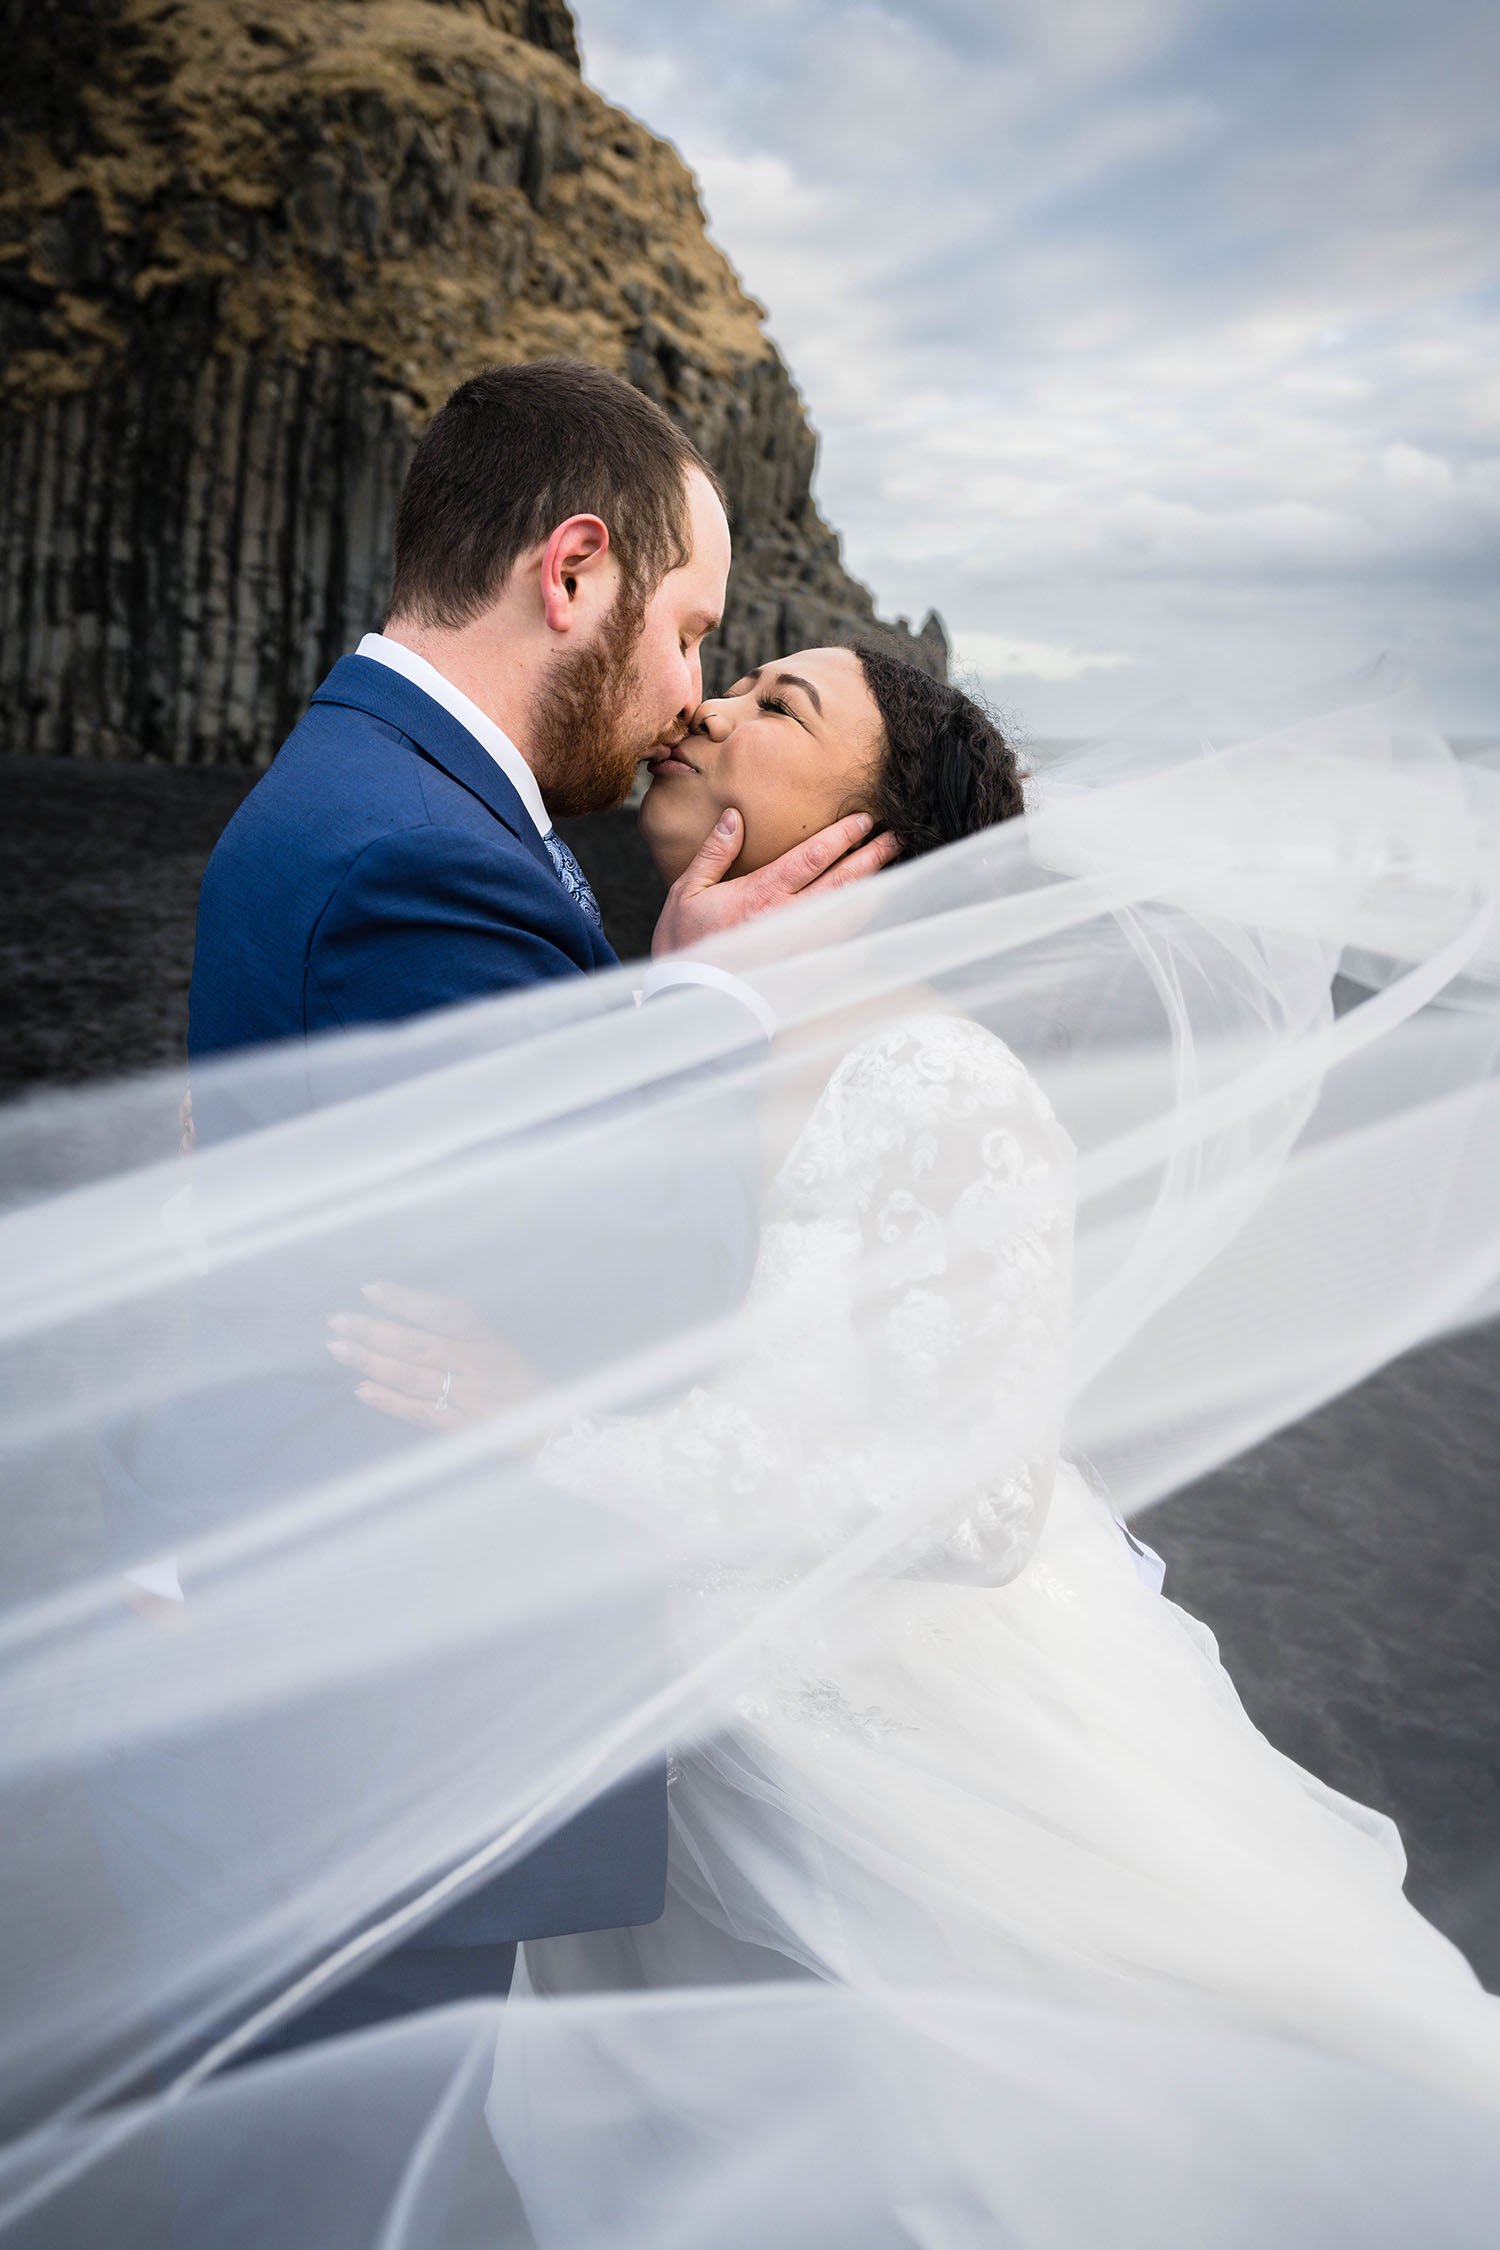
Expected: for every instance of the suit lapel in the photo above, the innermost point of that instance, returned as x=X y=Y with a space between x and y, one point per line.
x=360 y=684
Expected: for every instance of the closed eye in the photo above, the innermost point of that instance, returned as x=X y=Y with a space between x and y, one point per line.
x=782 y=709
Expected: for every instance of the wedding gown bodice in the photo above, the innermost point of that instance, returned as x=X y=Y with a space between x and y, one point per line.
x=907 y=1324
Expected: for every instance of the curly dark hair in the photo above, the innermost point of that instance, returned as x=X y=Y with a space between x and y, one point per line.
x=947 y=770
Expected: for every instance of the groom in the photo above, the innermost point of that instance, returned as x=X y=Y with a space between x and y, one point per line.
x=561 y=555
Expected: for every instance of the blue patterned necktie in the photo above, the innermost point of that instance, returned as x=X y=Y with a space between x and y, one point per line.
x=572 y=878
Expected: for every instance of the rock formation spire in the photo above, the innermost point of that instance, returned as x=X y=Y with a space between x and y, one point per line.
x=246 y=248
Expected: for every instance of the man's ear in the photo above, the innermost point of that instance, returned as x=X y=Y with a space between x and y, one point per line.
x=574 y=560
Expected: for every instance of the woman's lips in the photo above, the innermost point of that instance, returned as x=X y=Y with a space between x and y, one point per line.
x=670 y=761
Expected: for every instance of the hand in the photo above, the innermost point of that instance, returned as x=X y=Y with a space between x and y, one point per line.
x=701 y=903
x=415 y=1351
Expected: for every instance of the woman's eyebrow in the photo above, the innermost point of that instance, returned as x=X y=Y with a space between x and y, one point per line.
x=783 y=679
x=790 y=679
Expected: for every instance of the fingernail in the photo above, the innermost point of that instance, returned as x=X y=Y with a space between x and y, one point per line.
x=726 y=824
x=344 y=1353
x=339 y=1322
x=365 y=1391
x=370 y=1289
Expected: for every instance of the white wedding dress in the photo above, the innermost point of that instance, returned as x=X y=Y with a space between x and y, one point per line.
x=1001 y=1762
x=991 y=1918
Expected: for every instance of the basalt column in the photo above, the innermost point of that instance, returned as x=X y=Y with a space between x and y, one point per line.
x=246 y=248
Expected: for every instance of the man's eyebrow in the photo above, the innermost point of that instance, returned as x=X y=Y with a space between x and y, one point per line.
x=790 y=679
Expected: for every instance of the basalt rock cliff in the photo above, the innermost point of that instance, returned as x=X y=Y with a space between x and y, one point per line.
x=246 y=248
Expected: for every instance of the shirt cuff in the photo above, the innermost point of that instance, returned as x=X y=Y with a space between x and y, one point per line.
x=663 y=974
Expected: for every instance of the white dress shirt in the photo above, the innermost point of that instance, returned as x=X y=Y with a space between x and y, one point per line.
x=469 y=716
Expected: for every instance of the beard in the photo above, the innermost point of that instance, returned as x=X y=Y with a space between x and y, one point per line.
x=584 y=739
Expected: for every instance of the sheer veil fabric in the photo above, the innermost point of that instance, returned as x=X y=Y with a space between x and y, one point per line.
x=1119 y=1136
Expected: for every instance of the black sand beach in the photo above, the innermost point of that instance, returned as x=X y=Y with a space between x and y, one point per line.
x=1351 y=1566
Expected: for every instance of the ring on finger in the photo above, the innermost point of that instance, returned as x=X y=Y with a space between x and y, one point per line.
x=440 y=1403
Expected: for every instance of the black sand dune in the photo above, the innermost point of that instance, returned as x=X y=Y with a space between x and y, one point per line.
x=1351 y=1567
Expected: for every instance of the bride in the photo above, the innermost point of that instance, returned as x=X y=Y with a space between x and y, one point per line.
x=1002 y=1760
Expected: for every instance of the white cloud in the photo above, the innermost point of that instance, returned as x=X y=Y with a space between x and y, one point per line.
x=1412 y=470
x=994 y=657
x=1155 y=342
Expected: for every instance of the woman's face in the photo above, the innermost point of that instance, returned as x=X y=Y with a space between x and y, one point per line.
x=790 y=747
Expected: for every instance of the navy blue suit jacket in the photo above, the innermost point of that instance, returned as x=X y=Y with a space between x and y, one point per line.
x=385 y=866
x=382 y=867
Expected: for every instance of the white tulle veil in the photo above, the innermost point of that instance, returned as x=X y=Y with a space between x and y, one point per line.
x=1254 y=964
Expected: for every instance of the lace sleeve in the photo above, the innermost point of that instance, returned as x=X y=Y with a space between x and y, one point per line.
x=905 y=1331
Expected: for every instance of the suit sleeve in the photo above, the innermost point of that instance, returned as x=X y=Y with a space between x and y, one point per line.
x=426 y=917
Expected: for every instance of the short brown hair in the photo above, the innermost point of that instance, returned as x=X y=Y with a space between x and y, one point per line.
x=515 y=452
x=946 y=769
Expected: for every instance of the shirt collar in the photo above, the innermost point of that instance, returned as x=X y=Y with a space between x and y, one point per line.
x=383 y=650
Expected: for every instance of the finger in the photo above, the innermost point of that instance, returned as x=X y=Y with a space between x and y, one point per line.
x=403 y=1409
x=799 y=868
x=439 y=1316
x=714 y=856
x=395 y=1374
x=855 y=866
x=413 y=1345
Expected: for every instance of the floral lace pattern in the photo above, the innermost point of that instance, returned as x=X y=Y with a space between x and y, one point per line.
x=907 y=1327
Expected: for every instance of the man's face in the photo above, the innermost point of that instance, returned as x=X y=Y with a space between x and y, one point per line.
x=685 y=608
x=630 y=689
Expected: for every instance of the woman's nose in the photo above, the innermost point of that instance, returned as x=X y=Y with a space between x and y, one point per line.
x=713 y=718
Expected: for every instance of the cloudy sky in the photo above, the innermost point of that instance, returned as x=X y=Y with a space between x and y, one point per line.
x=1156 y=343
